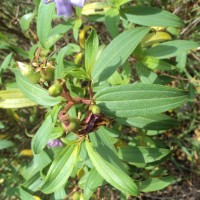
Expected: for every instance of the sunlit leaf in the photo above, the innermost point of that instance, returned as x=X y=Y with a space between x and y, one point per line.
x=142 y=155
x=155 y=184
x=35 y=92
x=14 y=99
x=116 y=53
x=60 y=169
x=139 y=99
x=149 y=16
x=112 y=174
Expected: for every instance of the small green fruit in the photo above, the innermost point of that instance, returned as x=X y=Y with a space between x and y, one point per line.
x=34 y=78
x=75 y=196
x=73 y=126
x=47 y=73
x=96 y=109
x=55 y=90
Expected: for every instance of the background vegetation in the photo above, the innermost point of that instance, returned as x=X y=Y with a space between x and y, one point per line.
x=18 y=125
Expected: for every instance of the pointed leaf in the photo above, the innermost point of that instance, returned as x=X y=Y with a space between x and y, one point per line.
x=44 y=18
x=112 y=21
x=93 y=181
x=65 y=51
x=155 y=184
x=112 y=174
x=171 y=48
x=60 y=169
x=91 y=49
x=25 y=21
x=153 y=122
x=142 y=155
x=105 y=148
x=139 y=99
x=24 y=195
x=149 y=16
x=14 y=99
x=35 y=92
x=116 y=53
x=42 y=136
x=5 y=144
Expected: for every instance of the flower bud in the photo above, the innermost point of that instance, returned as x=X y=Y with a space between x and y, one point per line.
x=55 y=90
x=73 y=124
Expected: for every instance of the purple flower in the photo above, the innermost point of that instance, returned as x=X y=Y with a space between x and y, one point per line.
x=64 y=7
x=54 y=143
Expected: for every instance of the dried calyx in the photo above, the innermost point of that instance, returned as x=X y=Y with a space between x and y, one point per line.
x=47 y=71
x=29 y=72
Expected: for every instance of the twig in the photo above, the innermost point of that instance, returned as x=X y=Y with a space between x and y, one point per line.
x=72 y=192
x=56 y=50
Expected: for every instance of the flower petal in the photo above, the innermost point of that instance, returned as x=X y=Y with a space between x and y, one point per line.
x=79 y=3
x=64 y=8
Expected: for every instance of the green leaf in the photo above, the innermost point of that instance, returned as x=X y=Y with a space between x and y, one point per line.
x=91 y=49
x=140 y=156
x=112 y=21
x=60 y=194
x=56 y=133
x=93 y=181
x=24 y=195
x=34 y=183
x=153 y=122
x=116 y=53
x=18 y=50
x=149 y=16
x=68 y=50
x=181 y=61
x=139 y=99
x=56 y=33
x=155 y=184
x=6 y=62
x=171 y=48
x=95 y=8
x=44 y=19
x=146 y=75
x=60 y=169
x=156 y=64
x=14 y=99
x=103 y=145
x=35 y=92
x=25 y=21
x=119 y=2
x=42 y=136
x=5 y=144
x=39 y=162
x=112 y=174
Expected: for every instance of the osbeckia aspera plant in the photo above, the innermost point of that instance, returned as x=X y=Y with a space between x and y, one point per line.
x=64 y=7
